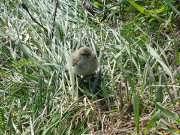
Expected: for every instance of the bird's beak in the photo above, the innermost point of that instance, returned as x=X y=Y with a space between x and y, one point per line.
x=93 y=54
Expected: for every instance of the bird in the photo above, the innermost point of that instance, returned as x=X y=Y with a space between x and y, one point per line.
x=84 y=62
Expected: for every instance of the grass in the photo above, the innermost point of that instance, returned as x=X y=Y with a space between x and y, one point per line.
x=136 y=89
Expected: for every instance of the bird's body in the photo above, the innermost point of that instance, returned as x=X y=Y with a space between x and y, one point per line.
x=84 y=61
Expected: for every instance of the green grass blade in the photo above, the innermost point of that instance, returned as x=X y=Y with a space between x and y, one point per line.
x=136 y=111
x=173 y=8
x=80 y=130
x=138 y=7
x=155 y=118
x=165 y=111
x=170 y=96
x=159 y=94
x=157 y=57
x=32 y=128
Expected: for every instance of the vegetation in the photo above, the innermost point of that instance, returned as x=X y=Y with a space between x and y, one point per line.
x=135 y=90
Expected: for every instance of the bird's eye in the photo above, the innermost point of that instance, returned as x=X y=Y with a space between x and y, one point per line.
x=85 y=55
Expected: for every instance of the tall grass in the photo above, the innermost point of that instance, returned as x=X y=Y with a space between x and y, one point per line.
x=39 y=92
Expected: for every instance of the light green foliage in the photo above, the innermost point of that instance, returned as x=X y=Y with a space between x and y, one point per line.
x=136 y=43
